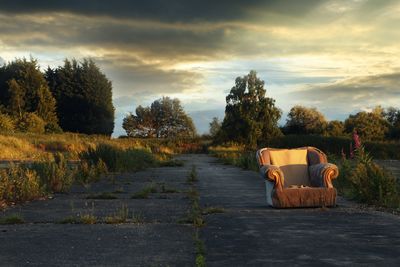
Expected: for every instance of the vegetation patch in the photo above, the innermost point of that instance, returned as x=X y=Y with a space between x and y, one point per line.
x=212 y=210
x=145 y=192
x=12 y=219
x=192 y=175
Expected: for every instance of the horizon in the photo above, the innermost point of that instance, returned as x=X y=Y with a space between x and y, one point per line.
x=340 y=57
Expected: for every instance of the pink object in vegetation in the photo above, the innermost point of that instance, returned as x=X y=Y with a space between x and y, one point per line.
x=356 y=140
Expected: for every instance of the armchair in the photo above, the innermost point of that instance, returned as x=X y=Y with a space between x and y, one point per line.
x=300 y=177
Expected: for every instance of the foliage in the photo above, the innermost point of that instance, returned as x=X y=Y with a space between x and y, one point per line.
x=215 y=127
x=302 y=120
x=392 y=115
x=55 y=176
x=7 y=123
x=119 y=160
x=31 y=123
x=335 y=128
x=165 y=118
x=19 y=185
x=364 y=180
x=84 y=97
x=369 y=125
x=23 y=89
x=249 y=114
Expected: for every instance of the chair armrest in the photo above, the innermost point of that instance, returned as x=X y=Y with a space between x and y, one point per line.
x=274 y=174
x=321 y=175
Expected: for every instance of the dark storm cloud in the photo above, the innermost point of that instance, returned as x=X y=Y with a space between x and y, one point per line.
x=171 y=11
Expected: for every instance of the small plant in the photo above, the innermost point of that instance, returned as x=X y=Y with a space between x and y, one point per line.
x=88 y=219
x=212 y=210
x=54 y=175
x=19 y=184
x=200 y=250
x=145 y=192
x=12 y=219
x=193 y=175
x=121 y=216
x=168 y=190
x=104 y=195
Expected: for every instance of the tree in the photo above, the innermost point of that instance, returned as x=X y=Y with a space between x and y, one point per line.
x=165 y=118
x=369 y=125
x=392 y=115
x=215 y=127
x=302 y=120
x=335 y=128
x=84 y=97
x=23 y=89
x=249 y=115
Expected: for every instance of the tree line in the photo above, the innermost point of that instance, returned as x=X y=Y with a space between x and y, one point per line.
x=251 y=117
x=75 y=97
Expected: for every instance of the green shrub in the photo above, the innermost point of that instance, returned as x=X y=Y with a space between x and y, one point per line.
x=7 y=124
x=31 y=123
x=119 y=160
x=55 y=175
x=363 y=180
x=18 y=184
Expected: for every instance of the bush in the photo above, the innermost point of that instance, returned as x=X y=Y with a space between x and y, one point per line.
x=55 y=176
x=7 y=124
x=19 y=184
x=363 y=180
x=31 y=123
x=119 y=160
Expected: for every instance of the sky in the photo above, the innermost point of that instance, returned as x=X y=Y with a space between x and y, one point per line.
x=340 y=56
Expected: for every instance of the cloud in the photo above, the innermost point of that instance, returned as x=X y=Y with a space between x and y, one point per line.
x=169 y=11
x=354 y=93
x=2 y=61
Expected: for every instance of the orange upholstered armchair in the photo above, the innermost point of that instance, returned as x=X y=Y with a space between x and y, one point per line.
x=300 y=177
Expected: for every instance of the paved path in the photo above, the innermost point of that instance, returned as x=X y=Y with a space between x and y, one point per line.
x=248 y=233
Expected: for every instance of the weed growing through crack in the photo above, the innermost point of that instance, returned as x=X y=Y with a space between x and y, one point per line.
x=193 y=175
x=12 y=219
x=88 y=219
x=168 y=190
x=120 y=216
x=212 y=210
x=200 y=250
x=146 y=191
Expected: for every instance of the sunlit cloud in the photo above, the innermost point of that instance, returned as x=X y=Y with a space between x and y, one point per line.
x=338 y=55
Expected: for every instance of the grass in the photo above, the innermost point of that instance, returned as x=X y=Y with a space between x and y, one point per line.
x=212 y=210
x=123 y=215
x=192 y=175
x=88 y=219
x=168 y=190
x=12 y=219
x=200 y=250
x=145 y=192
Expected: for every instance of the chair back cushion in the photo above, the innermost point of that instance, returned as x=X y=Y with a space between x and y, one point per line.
x=293 y=163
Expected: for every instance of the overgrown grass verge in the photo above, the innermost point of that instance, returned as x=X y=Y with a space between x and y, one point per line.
x=236 y=155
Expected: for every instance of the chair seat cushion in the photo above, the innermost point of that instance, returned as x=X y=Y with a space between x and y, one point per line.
x=293 y=163
x=304 y=197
